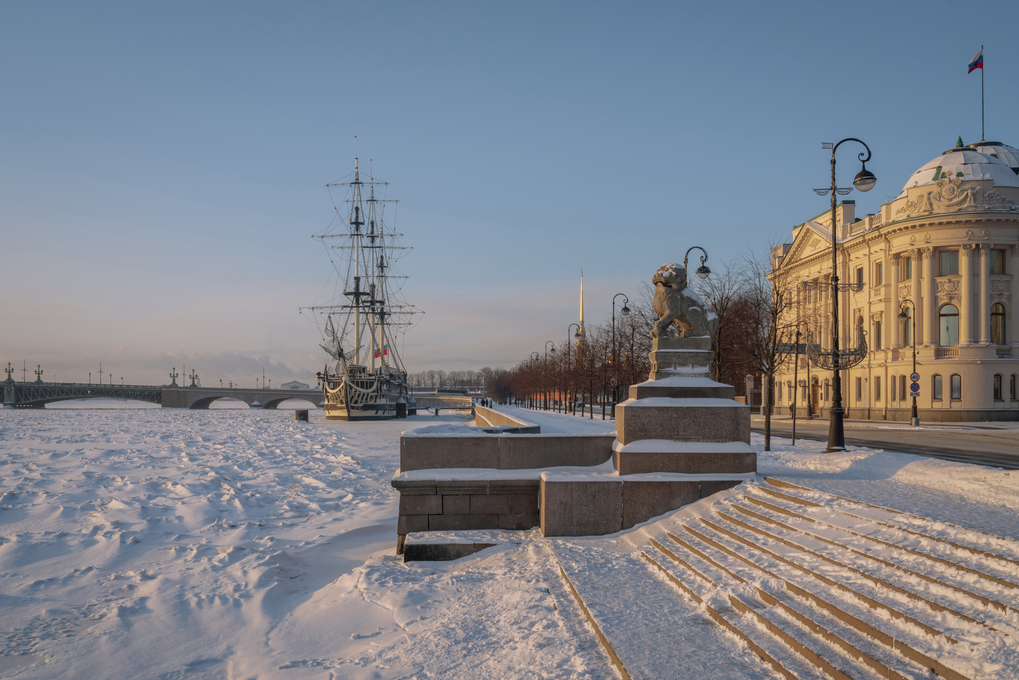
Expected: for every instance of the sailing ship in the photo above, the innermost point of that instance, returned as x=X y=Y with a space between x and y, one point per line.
x=367 y=314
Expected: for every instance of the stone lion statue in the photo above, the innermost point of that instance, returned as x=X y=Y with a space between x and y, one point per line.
x=675 y=303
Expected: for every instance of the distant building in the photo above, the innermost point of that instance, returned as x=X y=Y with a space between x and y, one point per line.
x=948 y=243
x=294 y=385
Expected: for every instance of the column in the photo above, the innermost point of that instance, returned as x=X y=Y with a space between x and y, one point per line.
x=928 y=321
x=984 y=322
x=895 y=332
x=1011 y=317
x=966 y=254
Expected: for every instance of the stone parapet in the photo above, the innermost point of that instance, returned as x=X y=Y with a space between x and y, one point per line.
x=502 y=451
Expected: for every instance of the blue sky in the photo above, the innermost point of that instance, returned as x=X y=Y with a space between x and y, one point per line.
x=162 y=164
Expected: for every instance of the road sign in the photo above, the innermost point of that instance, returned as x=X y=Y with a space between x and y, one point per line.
x=914 y=377
x=914 y=394
x=914 y=387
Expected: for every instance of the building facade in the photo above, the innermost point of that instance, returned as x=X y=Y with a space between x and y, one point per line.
x=945 y=256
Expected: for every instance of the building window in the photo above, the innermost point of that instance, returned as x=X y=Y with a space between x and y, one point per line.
x=956 y=386
x=859 y=276
x=907 y=328
x=1011 y=387
x=949 y=325
x=905 y=268
x=997 y=324
x=997 y=261
x=877 y=335
x=877 y=388
x=902 y=387
x=948 y=262
x=891 y=389
x=859 y=331
x=859 y=390
x=936 y=389
x=827 y=390
x=878 y=274
x=997 y=388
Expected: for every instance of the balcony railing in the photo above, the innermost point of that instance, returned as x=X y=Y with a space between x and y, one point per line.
x=1004 y=352
x=946 y=352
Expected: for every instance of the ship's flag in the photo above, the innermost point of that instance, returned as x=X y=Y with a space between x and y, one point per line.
x=977 y=62
x=385 y=350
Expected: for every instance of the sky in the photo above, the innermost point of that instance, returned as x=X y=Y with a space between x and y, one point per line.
x=163 y=165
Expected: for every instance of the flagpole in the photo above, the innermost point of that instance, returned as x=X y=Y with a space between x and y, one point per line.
x=981 y=96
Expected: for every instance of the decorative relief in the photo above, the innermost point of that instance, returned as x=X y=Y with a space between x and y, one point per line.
x=905 y=290
x=1001 y=286
x=967 y=248
x=949 y=286
x=949 y=196
x=925 y=253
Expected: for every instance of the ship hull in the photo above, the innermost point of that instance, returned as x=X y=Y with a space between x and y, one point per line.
x=361 y=395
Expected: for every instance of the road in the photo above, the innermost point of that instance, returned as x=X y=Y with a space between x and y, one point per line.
x=992 y=444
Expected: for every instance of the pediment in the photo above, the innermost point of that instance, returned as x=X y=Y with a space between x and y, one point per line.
x=811 y=238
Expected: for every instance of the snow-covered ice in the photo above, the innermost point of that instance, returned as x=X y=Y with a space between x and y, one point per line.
x=160 y=543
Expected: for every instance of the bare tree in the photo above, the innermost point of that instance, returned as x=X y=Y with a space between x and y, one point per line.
x=769 y=327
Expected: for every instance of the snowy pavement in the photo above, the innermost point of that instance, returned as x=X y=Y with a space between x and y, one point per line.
x=157 y=543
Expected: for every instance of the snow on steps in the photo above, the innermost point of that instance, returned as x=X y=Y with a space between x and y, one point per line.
x=812 y=584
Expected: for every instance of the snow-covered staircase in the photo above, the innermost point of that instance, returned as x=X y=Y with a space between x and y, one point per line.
x=806 y=584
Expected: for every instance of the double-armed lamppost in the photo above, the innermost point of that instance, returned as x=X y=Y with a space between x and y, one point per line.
x=615 y=358
x=838 y=360
x=915 y=418
x=535 y=358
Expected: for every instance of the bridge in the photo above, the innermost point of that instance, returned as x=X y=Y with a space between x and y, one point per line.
x=37 y=394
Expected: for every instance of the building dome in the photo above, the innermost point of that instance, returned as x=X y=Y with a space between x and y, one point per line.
x=969 y=164
x=1003 y=152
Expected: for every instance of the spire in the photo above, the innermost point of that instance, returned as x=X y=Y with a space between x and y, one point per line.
x=582 y=331
x=958 y=144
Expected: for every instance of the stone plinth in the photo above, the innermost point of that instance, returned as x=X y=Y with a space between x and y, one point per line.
x=689 y=357
x=684 y=420
x=656 y=455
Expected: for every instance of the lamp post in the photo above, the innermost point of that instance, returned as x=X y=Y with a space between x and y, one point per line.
x=615 y=359
x=544 y=379
x=535 y=357
x=864 y=181
x=569 y=363
x=915 y=419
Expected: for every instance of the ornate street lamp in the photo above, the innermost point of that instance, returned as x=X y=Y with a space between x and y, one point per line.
x=615 y=359
x=703 y=270
x=915 y=419
x=535 y=357
x=835 y=359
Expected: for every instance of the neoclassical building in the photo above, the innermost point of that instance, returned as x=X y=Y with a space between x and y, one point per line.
x=946 y=247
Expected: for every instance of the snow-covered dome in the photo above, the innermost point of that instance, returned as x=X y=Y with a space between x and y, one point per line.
x=1003 y=152
x=966 y=164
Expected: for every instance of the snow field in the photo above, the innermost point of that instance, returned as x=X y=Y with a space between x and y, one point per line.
x=157 y=543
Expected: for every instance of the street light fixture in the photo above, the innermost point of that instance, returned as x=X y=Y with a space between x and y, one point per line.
x=534 y=358
x=703 y=270
x=615 y=359
x=838 y=360
x=915 y=418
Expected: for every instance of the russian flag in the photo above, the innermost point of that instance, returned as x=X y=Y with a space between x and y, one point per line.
x=385 y=350
x=977 y=62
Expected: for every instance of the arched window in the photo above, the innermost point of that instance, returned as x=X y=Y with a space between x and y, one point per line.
x=936 y=387
x=949 y=325
x=859 y=331
x=997 y=324
x=997 y=387
x=902 y=387
x=956 y=386
x=1011 y=387
x=891 y=388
